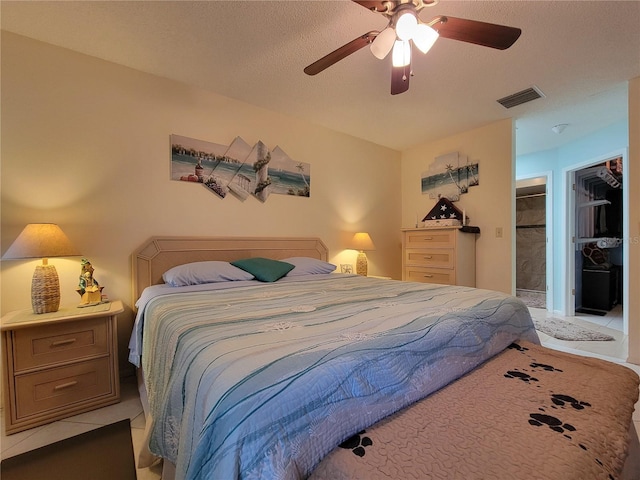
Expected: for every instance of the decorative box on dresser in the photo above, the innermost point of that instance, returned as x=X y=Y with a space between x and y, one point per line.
x=445 y=255
x=59 y=364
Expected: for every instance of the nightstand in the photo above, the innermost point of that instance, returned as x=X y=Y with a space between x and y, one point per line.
x=59 y=364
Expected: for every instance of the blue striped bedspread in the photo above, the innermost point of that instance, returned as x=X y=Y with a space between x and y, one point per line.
x=263 y=380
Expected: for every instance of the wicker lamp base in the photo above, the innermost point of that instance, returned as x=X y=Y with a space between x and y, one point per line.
x=45 y=289
x=361 y=264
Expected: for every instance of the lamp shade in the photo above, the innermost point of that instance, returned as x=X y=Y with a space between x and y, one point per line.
x=362 y=241
x=406 y=25
x=401 y=54
x=383 y=43
x=425 y=37
x=41 y=240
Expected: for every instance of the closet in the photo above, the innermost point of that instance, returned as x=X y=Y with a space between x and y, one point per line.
x=598 y=240
x=531 y=242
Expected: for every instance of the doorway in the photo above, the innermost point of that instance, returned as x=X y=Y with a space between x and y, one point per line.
x=597 y=281
x=533 y=226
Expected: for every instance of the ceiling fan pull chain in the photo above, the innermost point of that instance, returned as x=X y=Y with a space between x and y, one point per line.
x=404 y=76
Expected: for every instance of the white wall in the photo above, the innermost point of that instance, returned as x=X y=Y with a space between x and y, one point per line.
x=633 y=171
x=85 y=144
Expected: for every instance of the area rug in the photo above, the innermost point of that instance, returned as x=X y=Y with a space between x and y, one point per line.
x=102 y=454
x=564 y=330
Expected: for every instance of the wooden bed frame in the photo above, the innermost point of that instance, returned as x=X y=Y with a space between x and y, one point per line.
x=159 y=254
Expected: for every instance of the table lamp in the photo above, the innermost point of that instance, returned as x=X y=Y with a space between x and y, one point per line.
x=361 y=241
x=42 y=240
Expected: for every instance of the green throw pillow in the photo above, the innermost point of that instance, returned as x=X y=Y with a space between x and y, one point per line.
x=264 y=269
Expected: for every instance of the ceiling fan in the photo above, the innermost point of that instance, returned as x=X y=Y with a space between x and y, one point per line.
x=405 y=29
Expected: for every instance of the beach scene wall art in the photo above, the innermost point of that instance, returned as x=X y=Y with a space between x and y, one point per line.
x=239 y=168
x=450 y=176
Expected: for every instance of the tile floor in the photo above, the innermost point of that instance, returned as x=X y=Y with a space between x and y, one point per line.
x=130 y=407
x=610 y=324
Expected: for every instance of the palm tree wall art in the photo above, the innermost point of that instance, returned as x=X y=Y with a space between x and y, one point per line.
x=450 y=176
x=239 y=168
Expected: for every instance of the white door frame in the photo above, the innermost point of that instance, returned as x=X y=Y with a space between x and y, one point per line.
x=568 y=273
x=548 y=176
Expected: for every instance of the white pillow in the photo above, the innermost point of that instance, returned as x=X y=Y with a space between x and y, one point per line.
x=204 y=272
x=307 y=265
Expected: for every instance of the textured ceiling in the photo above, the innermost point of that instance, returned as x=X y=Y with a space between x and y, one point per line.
x=580 y=54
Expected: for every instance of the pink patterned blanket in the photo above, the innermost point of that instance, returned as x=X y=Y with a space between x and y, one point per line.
x=529 y=412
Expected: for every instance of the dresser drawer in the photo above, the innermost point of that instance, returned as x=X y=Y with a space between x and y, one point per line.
x=439 y=258
x=430 y=238
x=60 y=342
x=429 y=275
x=62 y=387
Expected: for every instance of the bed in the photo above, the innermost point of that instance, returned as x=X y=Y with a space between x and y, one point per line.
x=314 y=374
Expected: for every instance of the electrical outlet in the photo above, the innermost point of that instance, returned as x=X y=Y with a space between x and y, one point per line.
x=498 y=232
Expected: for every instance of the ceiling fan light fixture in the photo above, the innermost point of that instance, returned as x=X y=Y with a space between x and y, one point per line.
x=401 y=56
x=383 y=43
x=425 y=37
x=406 y=25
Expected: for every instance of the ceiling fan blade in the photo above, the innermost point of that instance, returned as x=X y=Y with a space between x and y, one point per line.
x=473 y=31
x=377 y=5
x=340 y=53
x=400 y=79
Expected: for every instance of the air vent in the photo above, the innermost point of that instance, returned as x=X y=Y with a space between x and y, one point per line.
x=521 y=97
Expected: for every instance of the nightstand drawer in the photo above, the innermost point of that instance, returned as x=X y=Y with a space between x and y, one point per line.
x=430 y=238
x=429 y=275
x=60 y=343
x=62 y=387
x=440 y=258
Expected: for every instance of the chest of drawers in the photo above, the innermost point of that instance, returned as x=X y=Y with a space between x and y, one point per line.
x=59 y=364
x=439 y=255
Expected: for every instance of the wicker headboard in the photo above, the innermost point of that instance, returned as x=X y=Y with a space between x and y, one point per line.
x=158 y=254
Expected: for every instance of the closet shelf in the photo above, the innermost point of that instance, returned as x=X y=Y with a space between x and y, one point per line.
x=531 y=226
x=586 y=240
x=605 y=174
x=589 y=240
x=594 y=203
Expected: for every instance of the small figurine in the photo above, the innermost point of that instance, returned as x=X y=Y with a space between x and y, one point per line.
x=89 y=289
